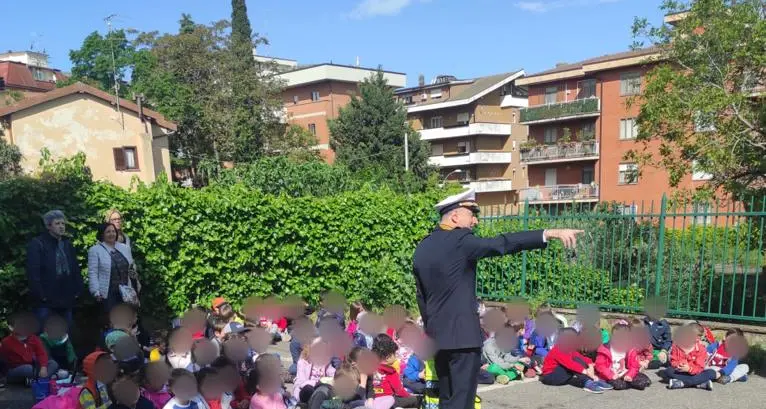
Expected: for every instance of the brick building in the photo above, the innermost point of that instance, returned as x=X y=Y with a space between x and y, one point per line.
x=27 y=72
x=474 y=131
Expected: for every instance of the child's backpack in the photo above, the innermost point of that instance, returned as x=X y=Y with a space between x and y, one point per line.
x=66 y=398
x=431 y=393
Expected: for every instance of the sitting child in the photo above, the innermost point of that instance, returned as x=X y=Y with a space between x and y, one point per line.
x=210 y=387
x=564 y=365
x=126 y=352
x=687 y=362
x=353 y=315
x=126 y=394
x=543 y=337
x=492 y=321
x=725 y=357
x=183 y=386
x=370 y=326
x=314 y=365
x=101 y=371
x=386 y=380
x=180 y=343
x=618 y=362
x=344 y=393
x=234 y=388
x=203 y=353
x=505 y=359
x=659 y=333
x=366 y=363
x=414 y=378
x=23 y=352
x=155 y=378
x=265 y=385
x=57 y=343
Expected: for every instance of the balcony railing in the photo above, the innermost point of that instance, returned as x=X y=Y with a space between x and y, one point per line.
x=472 y=158
x=559 y=193
x=561 y=111
x=477 y=128
x=563 y=152
x=483 y=186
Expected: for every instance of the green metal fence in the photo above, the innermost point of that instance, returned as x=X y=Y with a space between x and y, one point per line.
x=705 y=260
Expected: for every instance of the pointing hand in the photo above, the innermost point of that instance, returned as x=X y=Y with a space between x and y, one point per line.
x=567 y=236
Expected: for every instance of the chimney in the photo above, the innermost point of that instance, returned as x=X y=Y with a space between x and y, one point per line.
x=561 y=64
x=357 y=60
x=421 y=80
x=140 y=103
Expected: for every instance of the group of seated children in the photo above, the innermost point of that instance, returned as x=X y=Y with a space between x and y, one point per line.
x=589 y=357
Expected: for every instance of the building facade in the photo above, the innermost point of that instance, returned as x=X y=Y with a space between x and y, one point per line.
x=314 y=94
x=580 y=128
x=119 y=144
x=27 y=72
x=474 y=131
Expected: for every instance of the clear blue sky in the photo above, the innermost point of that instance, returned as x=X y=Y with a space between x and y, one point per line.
x=465 y=38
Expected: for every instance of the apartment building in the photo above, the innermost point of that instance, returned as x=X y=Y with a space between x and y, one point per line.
x=27 y=72
x=314 y=94
x=474 y=131
x=581 y=127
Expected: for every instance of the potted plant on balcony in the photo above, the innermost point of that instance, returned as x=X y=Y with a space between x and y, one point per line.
x=528 y=145
x=566 y=140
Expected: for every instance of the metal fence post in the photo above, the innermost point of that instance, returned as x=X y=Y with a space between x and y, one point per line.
x=524 y=253
x=661 y=245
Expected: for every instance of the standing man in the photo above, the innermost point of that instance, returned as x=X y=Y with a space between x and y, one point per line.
x=55 y=281
x=445 y=274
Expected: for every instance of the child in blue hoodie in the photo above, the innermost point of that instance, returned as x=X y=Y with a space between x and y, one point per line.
x=724 y=357
x=413 y=376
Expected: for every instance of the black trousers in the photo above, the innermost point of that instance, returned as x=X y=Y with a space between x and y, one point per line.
x=640 y=382
x=561 y=376
x=458 y=370
x=415 y=386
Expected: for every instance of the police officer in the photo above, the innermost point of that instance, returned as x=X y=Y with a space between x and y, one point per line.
x=445 y=273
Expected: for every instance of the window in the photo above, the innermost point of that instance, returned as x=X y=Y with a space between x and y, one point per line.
x=628 y=174
x=39 y=74
x=462 y=147
x=514 y=91
x=462 y=118
x=125 y=158
x=628 y=128
x=703 y=210
x=436 y=93
x=550 y=135
x=407 y=100
x=588 y=132
x=313 y=129
x=436 y=122
x=550 y=95
x=587 y=175
x=587 y=89
x=703 y=122
x=437 y=149
x=315 y=95
x=295 y=99
x=630 y=83
x=699 y=174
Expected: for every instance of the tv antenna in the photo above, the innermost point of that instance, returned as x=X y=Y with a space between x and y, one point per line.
x=108 y=19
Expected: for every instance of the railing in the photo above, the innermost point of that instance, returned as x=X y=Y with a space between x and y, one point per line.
x=702 y=262
x=559 y=193
x=477 y=128
x=561 y=110
x=483 y=186
x=572 y=150
x=471 y=158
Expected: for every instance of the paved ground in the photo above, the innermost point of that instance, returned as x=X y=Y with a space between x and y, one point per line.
x=533 y=395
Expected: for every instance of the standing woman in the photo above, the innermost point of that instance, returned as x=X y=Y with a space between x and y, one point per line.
x=114 y=217
x=110 y=266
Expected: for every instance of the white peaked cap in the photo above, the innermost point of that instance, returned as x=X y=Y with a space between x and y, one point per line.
x=465 y=199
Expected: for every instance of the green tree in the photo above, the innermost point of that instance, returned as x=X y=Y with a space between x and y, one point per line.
x=10 y=159
x=369 y=133
x=704 y=102
x=101 y=58
x=297 y=143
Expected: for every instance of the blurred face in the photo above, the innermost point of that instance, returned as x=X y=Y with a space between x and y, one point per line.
x=546 y=325
x=182 y=341
x=463 y=218
x=395 y=316
x=517 y=312
x=621 y=340
x=205 y=352
x=303 y=331
x=105 y=369
x=56 y=330
x=211 y=388
x=157 y=375
x=736 y=346
x=409 y=335
x=640 y=336
x=568 y=341
x=588 y=316
x=590 y=339
x=329 y=330
x=371 y=324
x=116 y=219
x=25 y=327
x=686 y=338
x=506 y=339
x=259 y=340
x=57 y=227
x=334 y=302
x=367 y=362
x=229 y=378
x=320 y=354
x=494 y=320
x=110 y=235
x=126 y=392
x=655 y=308
x=236 y=349
x=185 y=388
x=345 y=386
x=269 y=381
x=126 y=348
x=194 y=321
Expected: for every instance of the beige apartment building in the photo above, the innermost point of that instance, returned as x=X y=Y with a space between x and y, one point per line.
x=474 y=131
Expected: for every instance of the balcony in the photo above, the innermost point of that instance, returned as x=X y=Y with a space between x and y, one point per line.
x=473 y=158
x=559 y=193
x=479 y=128
x=569 y=152
x=562 y=111
x=486 y=186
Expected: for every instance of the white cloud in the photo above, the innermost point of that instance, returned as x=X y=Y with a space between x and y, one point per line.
x=373 y=8
x=542 y=6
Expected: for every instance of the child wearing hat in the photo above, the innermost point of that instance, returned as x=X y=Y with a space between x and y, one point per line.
x=101 y=371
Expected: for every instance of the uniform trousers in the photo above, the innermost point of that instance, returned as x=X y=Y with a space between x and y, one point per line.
x=457 y=370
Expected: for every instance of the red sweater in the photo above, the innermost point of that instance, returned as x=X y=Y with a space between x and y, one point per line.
x=604 y=363
x=386 y=382
x=695 y=358
x=556 y=357
x=17 y=353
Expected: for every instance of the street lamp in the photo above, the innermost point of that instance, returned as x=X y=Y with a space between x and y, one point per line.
x=444 y=180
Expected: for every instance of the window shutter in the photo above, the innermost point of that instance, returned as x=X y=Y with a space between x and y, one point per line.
x=119 y=158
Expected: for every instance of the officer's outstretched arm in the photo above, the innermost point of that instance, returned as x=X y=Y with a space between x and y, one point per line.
x=509 y=243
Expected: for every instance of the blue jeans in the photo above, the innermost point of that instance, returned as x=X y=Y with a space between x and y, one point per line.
x=295 y=353
x=43 y=313
x=24 y=372
x=691 y=380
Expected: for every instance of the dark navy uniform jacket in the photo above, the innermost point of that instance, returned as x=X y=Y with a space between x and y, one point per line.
x=445 y=275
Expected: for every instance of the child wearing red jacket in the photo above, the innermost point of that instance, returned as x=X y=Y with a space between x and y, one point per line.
x=23 y=352
x=387 y=381
x=618 y=362
x=687 y=362
x=565 y=365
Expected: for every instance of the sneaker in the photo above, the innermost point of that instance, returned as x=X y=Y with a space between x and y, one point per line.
x=2 y=383
x=742 y=379
x=530 y=373
x=592 y=387
x=724 y=379
x=675 y=384
x=503 y=379
x=708 y=386
x=604 y=385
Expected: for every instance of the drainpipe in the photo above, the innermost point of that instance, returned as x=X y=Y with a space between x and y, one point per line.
x=600 y=134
